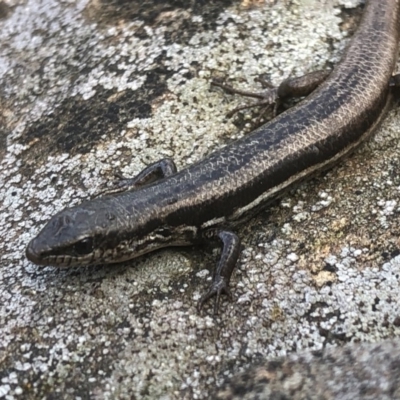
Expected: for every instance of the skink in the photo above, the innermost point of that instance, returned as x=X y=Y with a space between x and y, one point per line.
x=209 y=199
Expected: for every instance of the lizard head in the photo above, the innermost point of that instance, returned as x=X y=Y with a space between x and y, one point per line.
x=73 y=236
x=102 y=231
x=93 y=232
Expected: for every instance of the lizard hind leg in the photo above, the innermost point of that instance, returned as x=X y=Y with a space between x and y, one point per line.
x=272 y=97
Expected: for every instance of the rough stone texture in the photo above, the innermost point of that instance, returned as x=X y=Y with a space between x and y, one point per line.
x=364 y=371
x=88 y=87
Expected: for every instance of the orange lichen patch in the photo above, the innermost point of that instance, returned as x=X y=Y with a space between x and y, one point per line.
x=324 y=277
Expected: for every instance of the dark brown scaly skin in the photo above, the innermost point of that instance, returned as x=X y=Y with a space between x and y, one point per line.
x=208 y=199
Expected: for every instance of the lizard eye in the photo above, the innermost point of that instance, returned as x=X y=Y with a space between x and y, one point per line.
x=85 y=246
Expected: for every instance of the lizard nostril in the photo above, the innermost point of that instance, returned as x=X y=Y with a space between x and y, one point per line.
x=31 y=252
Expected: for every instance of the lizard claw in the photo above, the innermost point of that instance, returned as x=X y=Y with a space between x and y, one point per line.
x=267 y=99
x=219 y=286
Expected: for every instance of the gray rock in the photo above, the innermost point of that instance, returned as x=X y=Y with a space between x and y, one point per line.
x=358 y=371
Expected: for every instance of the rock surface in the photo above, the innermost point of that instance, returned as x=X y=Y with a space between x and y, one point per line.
x=363 y=371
